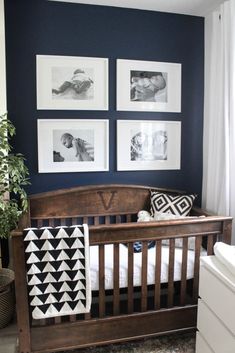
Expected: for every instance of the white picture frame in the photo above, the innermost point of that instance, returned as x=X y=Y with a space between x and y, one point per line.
x=73 y=145
x=148 y=145
x=148 y=86
x=71 y=83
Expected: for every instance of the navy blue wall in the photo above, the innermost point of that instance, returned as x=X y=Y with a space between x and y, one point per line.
x=55 y=28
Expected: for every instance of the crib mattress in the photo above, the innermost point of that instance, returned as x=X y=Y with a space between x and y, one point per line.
x=123 y=267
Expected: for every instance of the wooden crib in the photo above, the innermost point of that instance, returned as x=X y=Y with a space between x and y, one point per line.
x=117 y=314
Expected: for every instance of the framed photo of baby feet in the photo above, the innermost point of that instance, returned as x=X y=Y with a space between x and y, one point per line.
x=73 y=145
x=148 y=145
x=70 y=82
x=148 y=86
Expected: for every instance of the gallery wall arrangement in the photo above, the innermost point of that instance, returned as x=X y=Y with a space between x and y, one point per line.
x=91 y=72
x=78 y=83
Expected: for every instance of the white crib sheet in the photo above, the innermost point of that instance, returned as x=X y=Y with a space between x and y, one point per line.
x=123 y=272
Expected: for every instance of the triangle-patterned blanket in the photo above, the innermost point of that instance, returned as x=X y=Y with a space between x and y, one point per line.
x=58 y=275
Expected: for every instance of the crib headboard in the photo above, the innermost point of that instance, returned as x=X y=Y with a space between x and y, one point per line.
x=95 y=200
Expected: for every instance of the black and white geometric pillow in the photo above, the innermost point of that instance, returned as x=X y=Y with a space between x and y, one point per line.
x=58 y=273
x=179 y=205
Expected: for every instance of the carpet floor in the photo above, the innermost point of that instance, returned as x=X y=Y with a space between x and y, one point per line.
x=180 y=343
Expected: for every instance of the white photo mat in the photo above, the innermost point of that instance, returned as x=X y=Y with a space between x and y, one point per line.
x=56 y=83
x=163 y=96
x=88 y=152
x=148 y=145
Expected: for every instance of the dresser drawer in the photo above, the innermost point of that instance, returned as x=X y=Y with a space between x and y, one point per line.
x=219 y=338
x=219 y=297
x=201 y=345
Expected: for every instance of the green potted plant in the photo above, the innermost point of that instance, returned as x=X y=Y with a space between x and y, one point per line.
x=13 y=177
x=13 y=203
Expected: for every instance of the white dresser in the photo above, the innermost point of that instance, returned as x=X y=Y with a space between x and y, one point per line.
x=216 y=308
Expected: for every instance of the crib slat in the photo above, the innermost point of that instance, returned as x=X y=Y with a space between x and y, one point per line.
x=74 y=221
x=130 y=278
x=116 y=294
x=198 y=243
x=184 y=271
x=50 y=321
x=107 y=219
x=51 y=222
x=40 y=223
x=101 y=281
x=128 y=218
x=96 y=221
x=63 y=222
x=72 y=318
x=57 y=320
x=144 y=276
x=157 y=288
x=118 y=219
x=210 y=245
x=42 y=322
x=87 y=316
x=171 y=273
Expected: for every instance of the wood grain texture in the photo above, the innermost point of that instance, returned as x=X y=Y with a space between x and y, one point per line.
x=183 y=282
x=130 y=277
x=22 y=307
x=171 y=267
x=116 y=297
x=101 y=281
x=157 y=286
x=144 y=276
x=113 y=329
x=93 y=200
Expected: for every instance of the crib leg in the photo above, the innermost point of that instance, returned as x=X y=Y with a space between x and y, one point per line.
x=21 y=296
x=227 y=231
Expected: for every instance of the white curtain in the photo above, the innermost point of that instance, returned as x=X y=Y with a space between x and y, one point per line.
x=218 y=194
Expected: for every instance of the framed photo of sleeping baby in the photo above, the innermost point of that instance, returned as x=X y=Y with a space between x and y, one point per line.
x=69 y=82
x=73 y=145
x=148 y=145
x=148 y=86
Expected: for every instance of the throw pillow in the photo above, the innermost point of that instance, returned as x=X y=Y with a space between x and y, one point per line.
x=179 y=205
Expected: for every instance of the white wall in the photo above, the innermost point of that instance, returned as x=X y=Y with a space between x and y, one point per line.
x=3 y=104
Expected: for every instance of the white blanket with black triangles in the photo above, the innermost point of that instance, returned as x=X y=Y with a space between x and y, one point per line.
x=58 y=273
